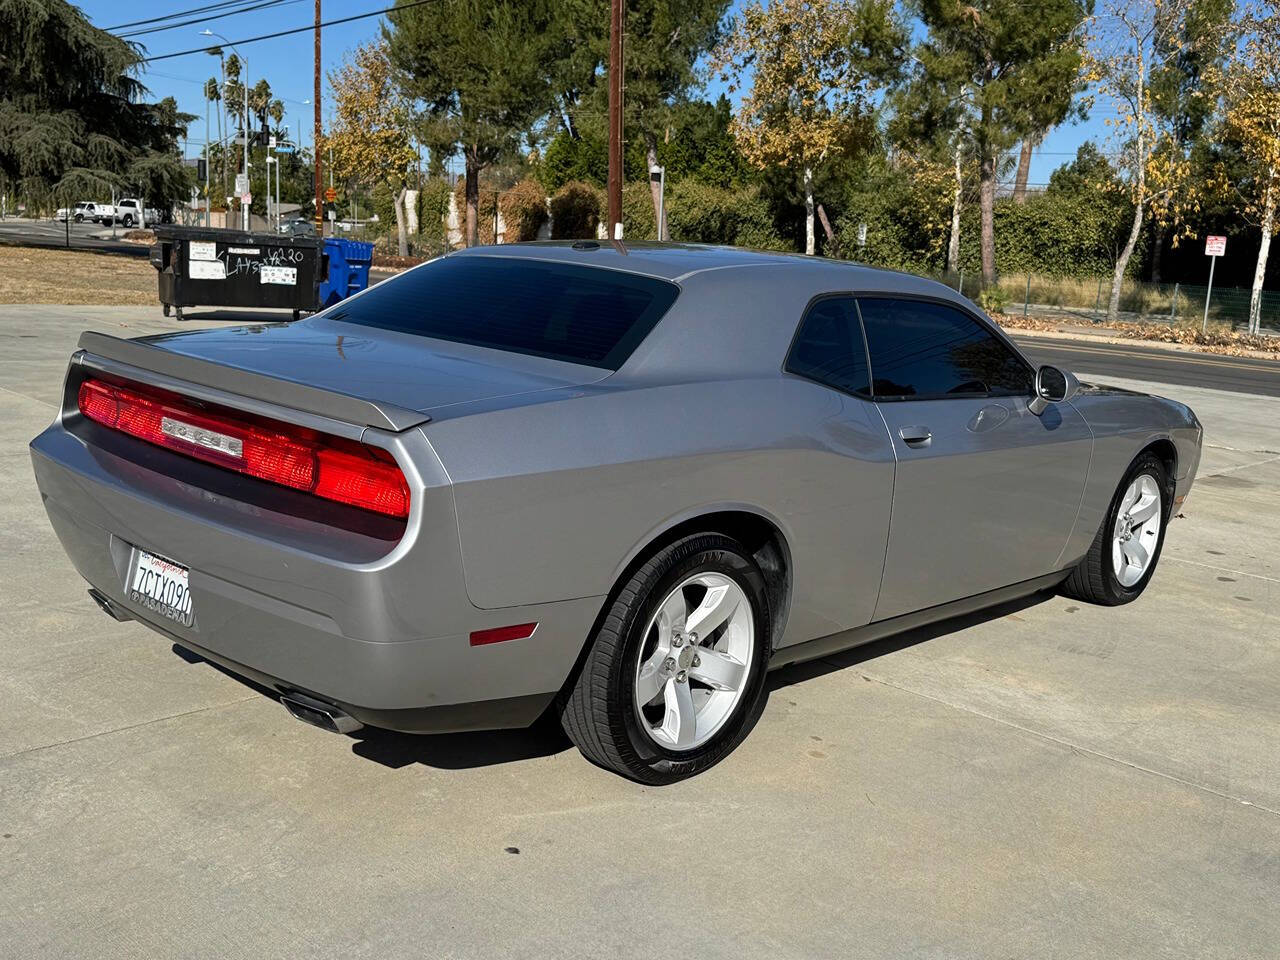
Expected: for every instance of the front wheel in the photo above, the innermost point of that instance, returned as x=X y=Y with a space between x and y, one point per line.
x=128 y=220
x=1125 y=552
x=674 y=676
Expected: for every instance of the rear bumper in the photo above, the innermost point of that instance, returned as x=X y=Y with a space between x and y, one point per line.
x=382 y=630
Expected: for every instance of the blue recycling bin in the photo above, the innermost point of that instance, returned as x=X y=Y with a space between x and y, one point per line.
x=349 y=262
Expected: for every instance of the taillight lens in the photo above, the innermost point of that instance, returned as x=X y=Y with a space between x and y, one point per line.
x=326 y=466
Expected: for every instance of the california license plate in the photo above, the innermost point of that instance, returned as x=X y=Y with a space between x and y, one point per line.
x=161 y=586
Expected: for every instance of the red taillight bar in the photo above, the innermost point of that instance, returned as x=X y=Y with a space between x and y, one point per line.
x=328 y=467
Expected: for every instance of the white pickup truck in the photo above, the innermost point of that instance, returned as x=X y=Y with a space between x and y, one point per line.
x=128 y=211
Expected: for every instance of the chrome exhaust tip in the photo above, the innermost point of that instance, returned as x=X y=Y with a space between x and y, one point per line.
x=319 y=714
x=107 y=607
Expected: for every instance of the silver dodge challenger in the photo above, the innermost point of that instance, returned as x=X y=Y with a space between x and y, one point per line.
x=619 y=483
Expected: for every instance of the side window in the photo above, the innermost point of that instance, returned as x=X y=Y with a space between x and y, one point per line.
x=829 y=348
x=921 y=349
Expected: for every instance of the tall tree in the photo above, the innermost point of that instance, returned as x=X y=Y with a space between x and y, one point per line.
x=664 y=39
x=370 y=129
x=1179 y=99
x=1250 y=87
x=481 y=71
x=73 y=115
x=1014 y=66
x=814 y=67
x=1137 y=38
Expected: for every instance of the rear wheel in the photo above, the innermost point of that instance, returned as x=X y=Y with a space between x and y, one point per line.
x=674 y=678
x=1124 y=554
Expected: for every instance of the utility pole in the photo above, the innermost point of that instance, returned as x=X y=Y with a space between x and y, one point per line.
x=315 y=98
x=615 y=120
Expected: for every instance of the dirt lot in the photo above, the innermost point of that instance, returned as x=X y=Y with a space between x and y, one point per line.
x=1049 y=779
x=38 y=275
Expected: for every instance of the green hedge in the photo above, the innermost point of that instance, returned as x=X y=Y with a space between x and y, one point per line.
x=1058 y=235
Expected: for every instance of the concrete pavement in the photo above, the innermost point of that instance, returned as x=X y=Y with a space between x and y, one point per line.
x=1050 y=779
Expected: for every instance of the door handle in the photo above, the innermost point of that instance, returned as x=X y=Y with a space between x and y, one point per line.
x=915 y=436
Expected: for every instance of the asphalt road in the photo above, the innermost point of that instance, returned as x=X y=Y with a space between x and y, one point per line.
x=1136 y=362
x=1048 y=779
x=76 y=236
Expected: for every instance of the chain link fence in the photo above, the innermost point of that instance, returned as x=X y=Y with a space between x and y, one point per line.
x=1175 y=304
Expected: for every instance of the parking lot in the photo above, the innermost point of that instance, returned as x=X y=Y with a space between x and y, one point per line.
x=1048 y=779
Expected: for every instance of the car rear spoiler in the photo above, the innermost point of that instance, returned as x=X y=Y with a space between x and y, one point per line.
x=246 y=383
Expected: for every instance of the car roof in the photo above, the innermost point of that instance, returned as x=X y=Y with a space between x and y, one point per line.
x=680 y=261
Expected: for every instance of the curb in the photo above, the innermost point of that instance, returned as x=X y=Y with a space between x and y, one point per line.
x=1134 y=341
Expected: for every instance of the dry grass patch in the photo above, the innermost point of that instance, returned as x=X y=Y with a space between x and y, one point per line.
x=37 y=275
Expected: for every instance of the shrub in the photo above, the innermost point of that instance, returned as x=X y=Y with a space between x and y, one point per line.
x=433 y=210
x=524 y=211
x=637 y=212
x=575 y=212
x=701 y=213
x=993 y=299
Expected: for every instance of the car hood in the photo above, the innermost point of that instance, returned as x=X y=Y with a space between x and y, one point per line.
x=414 y=372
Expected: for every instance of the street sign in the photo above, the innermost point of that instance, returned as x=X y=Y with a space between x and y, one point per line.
x=331 y=195
x=246 y=198
x=271 y=140
x=242 y=183
x=1214 y=247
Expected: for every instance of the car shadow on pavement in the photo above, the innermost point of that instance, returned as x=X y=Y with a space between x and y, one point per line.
x=801 y=672
x=447 y=751
x=461 y=751
x=544 y=738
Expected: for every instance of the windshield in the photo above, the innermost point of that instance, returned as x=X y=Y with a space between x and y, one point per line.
x=560 y=311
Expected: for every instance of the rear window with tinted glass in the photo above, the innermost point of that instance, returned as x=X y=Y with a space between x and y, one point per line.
x=560 y=311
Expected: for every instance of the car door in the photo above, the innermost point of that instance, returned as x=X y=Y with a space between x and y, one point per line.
x=847 y=490
x=985 y=492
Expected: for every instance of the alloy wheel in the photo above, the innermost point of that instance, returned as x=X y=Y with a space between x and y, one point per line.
x=694 y=661
x=1137 y=530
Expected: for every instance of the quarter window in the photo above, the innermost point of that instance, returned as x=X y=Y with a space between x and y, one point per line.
x=829 y=348
x=921 y=349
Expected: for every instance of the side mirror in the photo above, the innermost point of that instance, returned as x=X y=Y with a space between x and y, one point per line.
x=1052 y=386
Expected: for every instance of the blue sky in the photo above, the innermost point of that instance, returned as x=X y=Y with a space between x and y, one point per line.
x=287 y=62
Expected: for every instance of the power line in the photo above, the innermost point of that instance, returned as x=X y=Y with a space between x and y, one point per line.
x=204 y=19
x=207 y=8
x=286 y=33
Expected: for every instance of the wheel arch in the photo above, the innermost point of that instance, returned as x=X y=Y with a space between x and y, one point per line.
x=1167 y=452
x=761 y=533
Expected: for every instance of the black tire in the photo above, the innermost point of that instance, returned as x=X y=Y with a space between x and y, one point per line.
x=1094 y=578
x=596 y=708
x=79 y=218
x=128 y=220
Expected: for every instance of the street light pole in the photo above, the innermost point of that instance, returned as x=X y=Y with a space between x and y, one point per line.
x=244 y=209
x=315 y=140
x=206 y=162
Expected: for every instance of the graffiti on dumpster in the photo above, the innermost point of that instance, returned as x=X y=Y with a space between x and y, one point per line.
x=270 y=265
